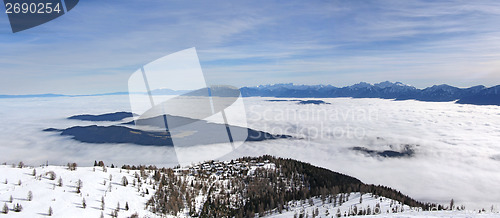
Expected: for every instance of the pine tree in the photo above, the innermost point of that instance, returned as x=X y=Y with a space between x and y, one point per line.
x=34 y=172
x=10 y=199
x=84 y=203
x=60 y=182
x=52 y=175
x=102 y=203
x=124 y=181
x=79 y=185
x=30 y=196
x=377 y=209
x=50 y=211
x=118 y=206
x=5 y=209
x=18 y=208
x=72 y=166
x=452 y=204
x=126 y=205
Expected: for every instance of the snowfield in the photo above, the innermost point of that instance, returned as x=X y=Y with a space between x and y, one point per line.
x=328 y=210
x=64 y=200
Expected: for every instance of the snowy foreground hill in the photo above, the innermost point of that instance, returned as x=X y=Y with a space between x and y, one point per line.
x=320 y=209
x=64 y=200
x=241 y=188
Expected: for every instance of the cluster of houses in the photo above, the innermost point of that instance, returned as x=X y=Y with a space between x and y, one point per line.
x=224 y=168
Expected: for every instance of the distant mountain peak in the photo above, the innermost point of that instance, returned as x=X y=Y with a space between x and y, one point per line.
x=361 y=85
x=387 y=84
x=444 y=86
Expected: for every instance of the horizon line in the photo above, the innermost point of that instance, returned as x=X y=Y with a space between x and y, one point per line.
x=255 y=86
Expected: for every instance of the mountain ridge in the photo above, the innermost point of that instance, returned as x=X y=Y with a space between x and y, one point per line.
x=477 y=95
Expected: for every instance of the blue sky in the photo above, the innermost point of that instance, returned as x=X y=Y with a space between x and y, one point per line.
x=99 y=44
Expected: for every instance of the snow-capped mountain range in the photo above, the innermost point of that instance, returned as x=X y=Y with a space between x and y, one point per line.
x=478 y=95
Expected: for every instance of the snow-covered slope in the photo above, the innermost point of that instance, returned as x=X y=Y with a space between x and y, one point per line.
x=64 y=200
x=107 y=183
x=387 y=208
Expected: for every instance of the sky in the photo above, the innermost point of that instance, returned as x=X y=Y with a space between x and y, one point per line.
x=97 y=46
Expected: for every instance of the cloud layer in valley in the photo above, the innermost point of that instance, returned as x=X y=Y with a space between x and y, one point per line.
x=456 y=146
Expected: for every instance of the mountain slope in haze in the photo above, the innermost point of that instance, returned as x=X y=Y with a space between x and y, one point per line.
x=487 y=96
x=190 y=132
x=121 y=134
x=116 y=116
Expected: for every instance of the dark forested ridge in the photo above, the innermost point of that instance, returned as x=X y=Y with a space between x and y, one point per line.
x=251 y=186
x=407 y=151
x=116 y=116
x=115 y=134
x=123 y=134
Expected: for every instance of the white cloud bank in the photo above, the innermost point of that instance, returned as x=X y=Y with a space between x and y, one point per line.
x=456 y=146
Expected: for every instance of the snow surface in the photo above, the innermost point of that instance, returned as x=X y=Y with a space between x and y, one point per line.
x=386 y=205
x=65 y=202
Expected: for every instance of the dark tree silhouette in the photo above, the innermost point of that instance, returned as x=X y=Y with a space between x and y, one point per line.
x=5 y=208
x=30 y=196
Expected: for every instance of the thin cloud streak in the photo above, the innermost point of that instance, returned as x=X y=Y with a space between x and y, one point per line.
x=417 y=42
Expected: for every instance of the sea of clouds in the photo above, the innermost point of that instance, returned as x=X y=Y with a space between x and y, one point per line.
x=457 y=149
